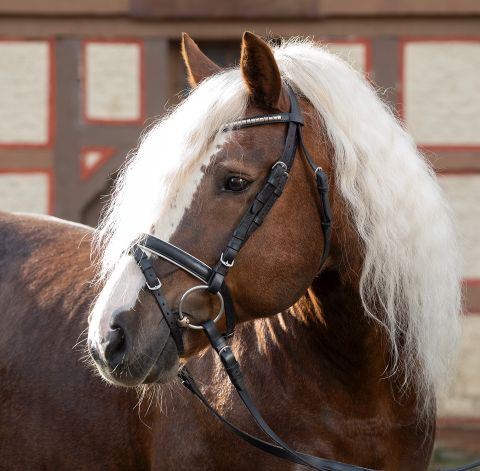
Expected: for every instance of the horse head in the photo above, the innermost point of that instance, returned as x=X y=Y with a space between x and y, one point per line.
x=198 y=181
x=206 y=193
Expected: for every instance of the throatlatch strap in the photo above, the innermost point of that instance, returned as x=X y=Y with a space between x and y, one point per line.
x=322 y=188
x=154 y=285
x=281 y=449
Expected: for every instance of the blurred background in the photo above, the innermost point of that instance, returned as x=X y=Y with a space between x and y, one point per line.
x=80 y=80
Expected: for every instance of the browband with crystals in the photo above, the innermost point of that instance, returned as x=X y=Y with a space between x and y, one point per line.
x=264 y=119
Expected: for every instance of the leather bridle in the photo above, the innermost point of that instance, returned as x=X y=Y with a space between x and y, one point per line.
x=213 y=279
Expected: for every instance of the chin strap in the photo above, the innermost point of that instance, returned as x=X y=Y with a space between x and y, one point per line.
x=278 y=448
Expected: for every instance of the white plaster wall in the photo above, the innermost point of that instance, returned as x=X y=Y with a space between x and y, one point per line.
x=442 y=92
x=354 y=54
x=463 y=193
x=112 y=81
x=25 y=192
x=463 y=399
x=24 y=92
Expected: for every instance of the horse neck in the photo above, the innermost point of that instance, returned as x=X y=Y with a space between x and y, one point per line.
x=328 y=364
x=327 y=342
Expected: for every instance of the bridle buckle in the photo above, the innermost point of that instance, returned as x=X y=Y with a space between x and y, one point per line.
x=282 y=164
x=226 y=263
x=158 y=285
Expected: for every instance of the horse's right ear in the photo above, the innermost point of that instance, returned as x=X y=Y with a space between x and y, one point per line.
x=260 y=71
x=199 y=66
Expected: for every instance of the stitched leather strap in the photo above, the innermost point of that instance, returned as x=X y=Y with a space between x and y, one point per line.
x=229 y=311
x=322 y=188
x=178 y=257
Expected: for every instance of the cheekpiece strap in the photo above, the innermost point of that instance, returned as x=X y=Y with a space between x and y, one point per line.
x=154 y=285
x=266 y=197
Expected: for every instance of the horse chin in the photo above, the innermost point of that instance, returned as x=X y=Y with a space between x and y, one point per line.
x=146 y=368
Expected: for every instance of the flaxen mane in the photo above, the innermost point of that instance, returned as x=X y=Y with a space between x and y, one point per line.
x=410 y=281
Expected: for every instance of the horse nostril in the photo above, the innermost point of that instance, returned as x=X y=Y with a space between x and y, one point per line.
x=114 y=346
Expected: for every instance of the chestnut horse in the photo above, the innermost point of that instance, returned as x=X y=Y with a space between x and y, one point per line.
x=345 y=360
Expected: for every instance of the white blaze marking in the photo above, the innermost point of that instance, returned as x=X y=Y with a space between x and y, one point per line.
x=120 y=293
x=122 y=288
x=159 y=184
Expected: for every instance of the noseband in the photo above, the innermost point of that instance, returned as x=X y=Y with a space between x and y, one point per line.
x=213 y=279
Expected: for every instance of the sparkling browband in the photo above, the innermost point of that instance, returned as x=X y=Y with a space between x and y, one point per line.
x=257 y=120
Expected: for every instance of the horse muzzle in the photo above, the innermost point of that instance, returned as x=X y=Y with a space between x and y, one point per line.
x=129 y=353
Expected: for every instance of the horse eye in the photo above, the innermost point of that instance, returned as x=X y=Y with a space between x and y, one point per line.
x=236 y=184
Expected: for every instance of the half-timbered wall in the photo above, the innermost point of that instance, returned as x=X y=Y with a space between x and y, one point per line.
x=80 y=80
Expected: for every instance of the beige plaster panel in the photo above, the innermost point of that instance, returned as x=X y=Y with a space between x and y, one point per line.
x=25 y=192
x=354 y=54
x=442 y=92
x=112 y=81
x=463 y=399
x=24 y=92
x=463 y=194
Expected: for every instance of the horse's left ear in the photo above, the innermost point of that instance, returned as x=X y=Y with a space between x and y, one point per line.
x=199 y=66
x=260 y=71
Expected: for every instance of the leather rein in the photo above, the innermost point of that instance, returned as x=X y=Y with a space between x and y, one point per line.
x=213 y=280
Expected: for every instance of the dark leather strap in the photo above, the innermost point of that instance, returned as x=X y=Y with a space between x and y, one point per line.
x=229 y=311
x=177 y=256
x=154 y=285
x=280 y=448
x=326 y=216
x=322 y=188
